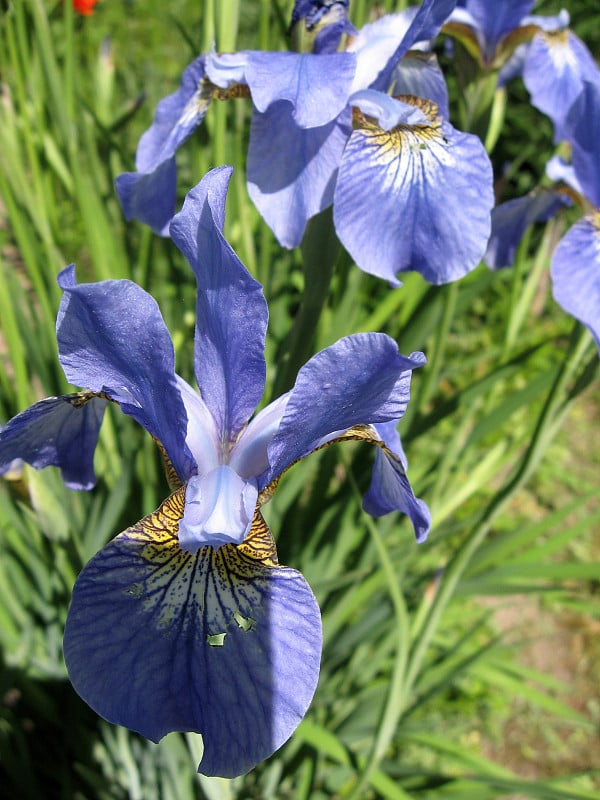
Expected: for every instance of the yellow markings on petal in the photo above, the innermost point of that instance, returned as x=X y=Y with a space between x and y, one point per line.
x=172 y=476
x=211 y=592
x=80 y=399
x=391 y=144
x=595 y=220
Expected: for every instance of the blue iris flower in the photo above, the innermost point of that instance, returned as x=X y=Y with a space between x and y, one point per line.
x=575 y=265
x=326 y=131
x=186 y=621
x=495 y=33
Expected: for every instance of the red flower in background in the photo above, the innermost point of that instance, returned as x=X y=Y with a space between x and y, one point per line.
x=85 y=7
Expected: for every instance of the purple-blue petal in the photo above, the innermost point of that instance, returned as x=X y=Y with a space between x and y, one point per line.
x=510 y=220
x=56 y=432
x=112 y=339
x=231 y=311
x=177 y=116
x=555 y=68
x=390 y=489
x=494 y=20
x=317 y=86
x=291 y=170
x=575 y=271
x=360 y=380
x=415 y=198
x=582 y=130
x=149 y=197
x=216 y=643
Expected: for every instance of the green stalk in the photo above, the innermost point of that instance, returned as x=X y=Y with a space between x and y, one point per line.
x=396 y=698
x=320 y=248
x=433 y=369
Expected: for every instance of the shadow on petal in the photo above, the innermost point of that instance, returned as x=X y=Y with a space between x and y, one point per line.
x=223 y=642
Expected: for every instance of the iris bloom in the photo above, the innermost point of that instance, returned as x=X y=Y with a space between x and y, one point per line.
x=325 y=131
x=186 y=621
x=495 y=33
x=575 y=266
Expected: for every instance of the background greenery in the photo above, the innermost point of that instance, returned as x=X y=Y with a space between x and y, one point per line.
x=467 y=667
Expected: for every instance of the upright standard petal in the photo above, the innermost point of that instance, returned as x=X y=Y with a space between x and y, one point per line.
x=112 y=339
x=317 y=86
x=56 y=432
x=415 y=197
x=555 y=68
x=223 y=642
x=575 y=271
x=360 y=380
x=493 y=21
x=292 y=170
x=231 y=311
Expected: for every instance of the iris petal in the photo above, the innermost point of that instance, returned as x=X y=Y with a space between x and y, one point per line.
x=219 y=508
x=112 y=339
x=555 y=68
x=575 y=271
x=305 y=81
x=231 y=311
x=510 y=220
x=292 y=170
x=361 y=379
x=390 y=488
x=216 y=642
x=414 y=198
x=149 y=196
x=58 y=432
x=582 y=126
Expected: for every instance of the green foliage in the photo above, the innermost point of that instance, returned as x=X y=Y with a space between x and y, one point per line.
x=415 y=674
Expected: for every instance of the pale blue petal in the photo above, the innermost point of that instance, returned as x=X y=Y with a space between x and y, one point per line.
x=360 y=380
x=376 y=43
x=249 y=454
x=414 y=199
x=149 y=197
x=555 y=68
x=216 y=643
x=425 y=25
x=291 y=171
x=421 y=75
x=231 y=311
x=575 y=271
x=558 y=170
x=510 y=220
x=202 y=436
x=56 y=432
x=317 y=86
x=112 y=339
x=388 y=111
x=219 y=508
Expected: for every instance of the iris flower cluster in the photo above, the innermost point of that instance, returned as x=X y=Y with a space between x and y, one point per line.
x=564 y=82
x=364 y=129
x=186 y=621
